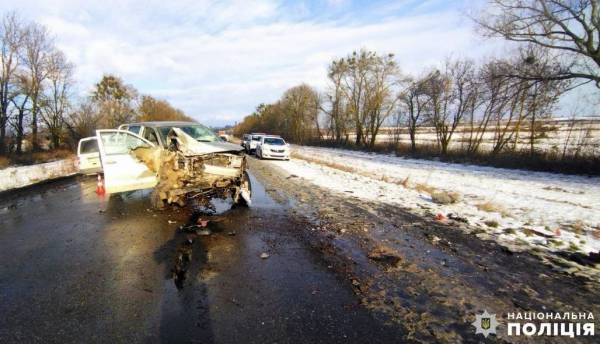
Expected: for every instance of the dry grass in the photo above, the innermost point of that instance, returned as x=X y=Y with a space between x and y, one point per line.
x=4 y=162
x=445 y=197
x=424 y=188
x=577 y=226
x=491 y=207
x=405 y=182
x=548 y=161
x=52 y=155
x=492 y=223
x=573 y=247
x=333 y=165
x=36 y=158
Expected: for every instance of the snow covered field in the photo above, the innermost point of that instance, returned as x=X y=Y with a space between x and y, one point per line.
x=519 y=209
x=560 y=134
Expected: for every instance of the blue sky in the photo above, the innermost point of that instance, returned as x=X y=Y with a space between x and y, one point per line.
x=217 y=60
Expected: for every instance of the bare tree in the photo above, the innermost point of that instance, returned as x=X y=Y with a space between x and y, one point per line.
x=568 y=28
x=382 y=95
x=38 y=47
x=20 y=100
x=83 y=120
x=11 y=36
x=494 y=97
x=415 y=104
x=337 y=113
x=365 y=86
x=452 y=94
x=300 y=106
x=56 y=100
x=356 y=67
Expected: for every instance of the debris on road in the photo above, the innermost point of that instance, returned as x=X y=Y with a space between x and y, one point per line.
x=435 y=239
x=439 y=217
x=264 y=255
x=203 y=232
x=385 y=255
x=457 y=218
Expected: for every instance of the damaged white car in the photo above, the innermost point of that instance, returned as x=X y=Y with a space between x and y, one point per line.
x=184 y=162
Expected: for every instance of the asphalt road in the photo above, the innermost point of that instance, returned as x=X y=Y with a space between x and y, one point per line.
x=78 y=267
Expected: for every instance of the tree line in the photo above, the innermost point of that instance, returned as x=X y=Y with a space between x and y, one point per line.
x=502 y=99
x=37 y=94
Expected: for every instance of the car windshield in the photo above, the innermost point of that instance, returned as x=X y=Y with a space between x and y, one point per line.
x=120 y=142
x=256 y=138
x=198 y=132
x=275 y=141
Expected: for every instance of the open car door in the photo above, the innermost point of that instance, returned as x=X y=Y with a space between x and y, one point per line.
x=122 y=171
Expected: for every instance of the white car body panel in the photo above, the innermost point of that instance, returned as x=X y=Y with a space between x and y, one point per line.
x=254 y=143
x=88 y=161
x=122 y=171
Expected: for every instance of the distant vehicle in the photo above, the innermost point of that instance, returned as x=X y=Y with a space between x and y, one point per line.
x=273 y=147
x=246 y=140
x=88 y=156
x=182 y=160
x=253 y=143
x=223 y=135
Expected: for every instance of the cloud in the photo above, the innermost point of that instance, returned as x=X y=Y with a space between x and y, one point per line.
x=218 y=60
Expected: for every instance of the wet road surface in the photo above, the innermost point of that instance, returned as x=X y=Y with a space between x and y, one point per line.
x=77 y=267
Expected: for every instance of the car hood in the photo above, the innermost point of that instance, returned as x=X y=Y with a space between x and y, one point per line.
x=189 y=146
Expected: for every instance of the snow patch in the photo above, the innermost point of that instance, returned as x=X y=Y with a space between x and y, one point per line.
x=517 y=208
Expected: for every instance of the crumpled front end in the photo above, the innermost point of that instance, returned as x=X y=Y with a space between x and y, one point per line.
x=186 y=173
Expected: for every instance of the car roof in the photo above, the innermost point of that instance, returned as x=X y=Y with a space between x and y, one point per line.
x=156 y=124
